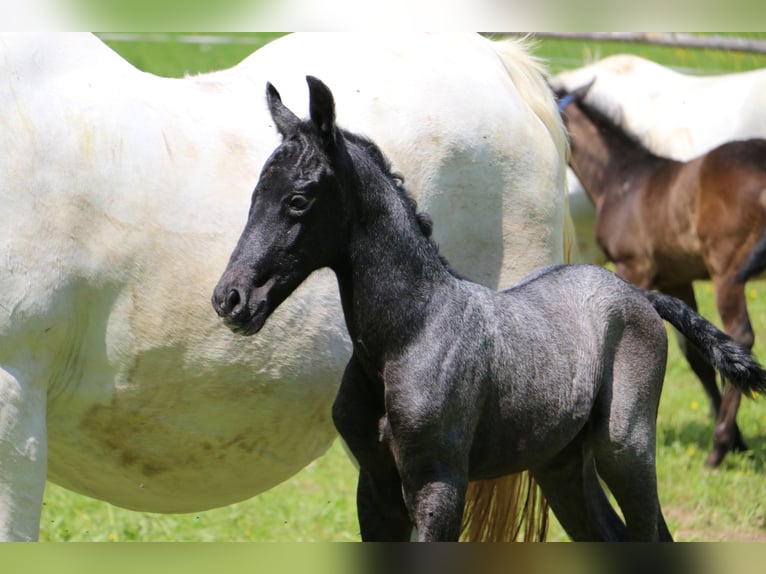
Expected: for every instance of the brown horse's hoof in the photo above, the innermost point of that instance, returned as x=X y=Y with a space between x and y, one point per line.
x=739 y=443
x=716 y=456
x=719 y=450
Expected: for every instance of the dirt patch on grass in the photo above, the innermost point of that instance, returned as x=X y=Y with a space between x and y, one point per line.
x=685 y=526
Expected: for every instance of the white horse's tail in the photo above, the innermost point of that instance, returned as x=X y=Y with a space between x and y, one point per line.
x=530 y=76
x=503 y=509
x=513 y=506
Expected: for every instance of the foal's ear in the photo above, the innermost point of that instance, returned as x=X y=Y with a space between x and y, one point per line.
x=285 y=121
x=322 y=110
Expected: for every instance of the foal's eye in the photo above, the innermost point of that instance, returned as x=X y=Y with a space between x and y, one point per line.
x=298 y=203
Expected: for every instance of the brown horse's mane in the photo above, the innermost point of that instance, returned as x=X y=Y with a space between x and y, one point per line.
x=605 y=123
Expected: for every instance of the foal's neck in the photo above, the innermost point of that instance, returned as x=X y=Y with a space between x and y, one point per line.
x=391 y=275
x=603 y=156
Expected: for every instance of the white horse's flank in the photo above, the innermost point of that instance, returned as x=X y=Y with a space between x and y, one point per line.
x=121 y=196
x=674 y=115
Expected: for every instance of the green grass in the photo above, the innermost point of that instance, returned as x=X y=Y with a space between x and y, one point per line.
x=318 y=503
x=176 y=59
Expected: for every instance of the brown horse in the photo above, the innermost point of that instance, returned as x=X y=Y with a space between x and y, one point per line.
x=666 y=223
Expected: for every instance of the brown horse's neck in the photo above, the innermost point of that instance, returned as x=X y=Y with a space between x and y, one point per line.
x=603 y=157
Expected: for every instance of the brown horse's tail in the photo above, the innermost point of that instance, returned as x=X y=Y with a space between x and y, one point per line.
x=500 y=510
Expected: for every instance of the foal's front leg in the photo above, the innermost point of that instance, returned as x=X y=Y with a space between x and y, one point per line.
x=359 y=417
x=436 y=501
x=432 y=459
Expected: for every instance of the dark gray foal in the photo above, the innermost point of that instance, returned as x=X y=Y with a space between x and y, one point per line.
x=450 y=381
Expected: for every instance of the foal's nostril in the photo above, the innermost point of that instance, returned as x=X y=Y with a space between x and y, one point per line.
x=227 y=303
x=233 y=299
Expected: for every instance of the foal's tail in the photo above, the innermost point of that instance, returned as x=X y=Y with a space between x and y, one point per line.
x=734 y=362
x=755 y=263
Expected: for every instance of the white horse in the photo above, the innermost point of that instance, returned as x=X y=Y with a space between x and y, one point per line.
x=674 y=115
x=121 y=196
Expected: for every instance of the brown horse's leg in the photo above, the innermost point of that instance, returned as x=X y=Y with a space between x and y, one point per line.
x=726 y=435
x=699 y=364
x=732 y=307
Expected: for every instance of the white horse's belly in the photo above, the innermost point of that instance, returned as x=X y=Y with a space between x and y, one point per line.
x=202 y=420
x=137 y=457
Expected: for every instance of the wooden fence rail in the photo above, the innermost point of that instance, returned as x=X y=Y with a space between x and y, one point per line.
x=710 y=42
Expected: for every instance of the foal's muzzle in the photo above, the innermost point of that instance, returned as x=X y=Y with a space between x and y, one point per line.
x=241 y=304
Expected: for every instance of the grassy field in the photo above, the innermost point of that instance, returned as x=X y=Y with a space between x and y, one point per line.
x=318 y=503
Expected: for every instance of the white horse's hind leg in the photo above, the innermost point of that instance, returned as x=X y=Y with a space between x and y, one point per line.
x=23 y=452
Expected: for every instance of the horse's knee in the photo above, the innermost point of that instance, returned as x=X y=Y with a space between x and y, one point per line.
x=724 y=432
x=437 y=509
x=732 y=308
x=746 y=337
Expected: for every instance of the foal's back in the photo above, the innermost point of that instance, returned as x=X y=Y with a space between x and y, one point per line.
x=568 y=342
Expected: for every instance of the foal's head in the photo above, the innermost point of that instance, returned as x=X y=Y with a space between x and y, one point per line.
x=298 y=216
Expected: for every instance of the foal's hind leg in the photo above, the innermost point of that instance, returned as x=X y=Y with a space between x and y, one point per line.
x=623 y=435
x=627 y=465
x=575 y=495
x=380 y=507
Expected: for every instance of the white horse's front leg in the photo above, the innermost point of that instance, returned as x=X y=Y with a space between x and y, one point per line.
x=23 y=458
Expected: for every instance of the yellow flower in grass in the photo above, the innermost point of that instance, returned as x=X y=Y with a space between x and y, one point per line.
x=753 y=294
x=695 y=405
x=691 y=450
x=112 y=537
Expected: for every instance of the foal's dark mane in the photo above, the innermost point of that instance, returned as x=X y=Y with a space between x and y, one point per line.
x=422 y=219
